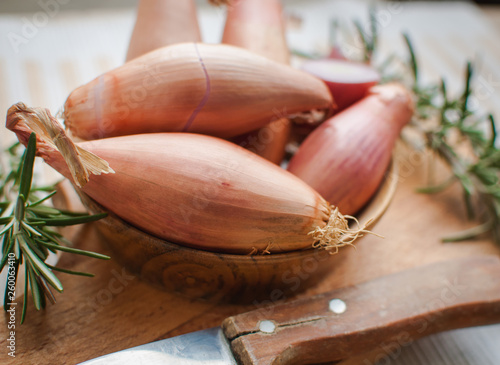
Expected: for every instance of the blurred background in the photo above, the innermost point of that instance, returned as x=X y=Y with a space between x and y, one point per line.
x=29 y=5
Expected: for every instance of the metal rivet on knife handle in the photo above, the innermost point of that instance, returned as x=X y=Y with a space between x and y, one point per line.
x=267 y=326
x=337 y=306
x=311 y=331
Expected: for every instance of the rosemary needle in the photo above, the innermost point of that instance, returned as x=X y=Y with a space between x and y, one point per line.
x=25 y=232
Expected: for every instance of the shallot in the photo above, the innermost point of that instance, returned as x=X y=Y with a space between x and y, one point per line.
x=163 y=22
x=257 y=25
x=345 y=159
x=218 y=90
x=348 y=81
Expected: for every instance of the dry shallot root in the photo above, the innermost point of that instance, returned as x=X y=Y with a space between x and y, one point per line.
x=195 y=190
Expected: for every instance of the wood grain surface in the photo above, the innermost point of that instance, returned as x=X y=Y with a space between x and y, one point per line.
x=115 y=310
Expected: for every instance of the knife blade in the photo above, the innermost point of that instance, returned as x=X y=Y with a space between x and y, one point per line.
x=385 y=313
x=202 y=347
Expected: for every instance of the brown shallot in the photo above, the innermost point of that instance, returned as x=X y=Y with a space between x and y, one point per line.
x=345 y=159
x=195 y=190
x=218 y=90
x=257 y=25
x=163 y=22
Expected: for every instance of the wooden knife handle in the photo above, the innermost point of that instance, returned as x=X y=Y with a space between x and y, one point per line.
x=386 y=313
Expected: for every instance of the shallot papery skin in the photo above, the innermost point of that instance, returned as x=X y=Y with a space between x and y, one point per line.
x=161 y=23
x=257 y=25
x=206 y=193
x=194 y=190
x=345 y=158
x=217 y=90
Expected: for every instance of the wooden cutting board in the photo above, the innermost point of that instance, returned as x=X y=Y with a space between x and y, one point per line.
x=116 y=310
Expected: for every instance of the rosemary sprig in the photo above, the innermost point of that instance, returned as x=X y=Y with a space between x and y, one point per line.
x=26 y=234
x=448 y=126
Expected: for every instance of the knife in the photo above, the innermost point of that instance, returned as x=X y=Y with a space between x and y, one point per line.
x=385 y=313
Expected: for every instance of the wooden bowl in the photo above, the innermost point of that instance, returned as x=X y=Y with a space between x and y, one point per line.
x=225 y=277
